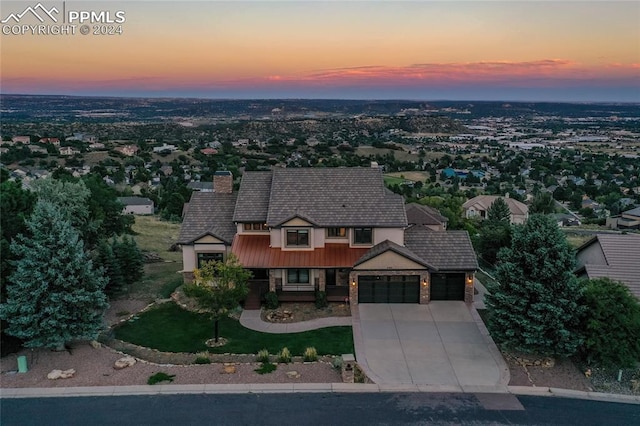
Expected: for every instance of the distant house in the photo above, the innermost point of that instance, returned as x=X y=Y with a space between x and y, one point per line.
x=36 y=149
x=614 y=256
x=478 y=207
x=97 y=146
x=52 y=141
x=128 y=150
x=209 y=151
x=21 y=139
x=165 y=148
x=136 y=205
x=565 y=219
x=68 y=150
x=627 y=220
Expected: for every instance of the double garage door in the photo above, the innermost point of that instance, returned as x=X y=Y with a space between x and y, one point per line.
x=406 y=288
x=388 y=289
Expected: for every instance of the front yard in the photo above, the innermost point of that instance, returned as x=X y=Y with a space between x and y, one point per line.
x=170 y=328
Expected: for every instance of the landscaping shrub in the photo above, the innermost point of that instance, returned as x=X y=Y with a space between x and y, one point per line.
x=321 y=299
x=263 y=355
x=310 y=354
x=265 y=368
x=202 y=358
x=271 y=300
x=337 y=363
x=160 y=377
x=284 y=356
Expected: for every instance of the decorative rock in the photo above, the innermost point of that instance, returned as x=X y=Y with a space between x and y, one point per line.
x=59 y=374
x=124 y=362
x=228 y=368
x=293 y=374
x=95 y=344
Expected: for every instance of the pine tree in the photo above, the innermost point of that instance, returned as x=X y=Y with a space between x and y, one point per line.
x=499 y=211
x=129 y=258
x=106 y=259
x=54 y=296
x=536 y=307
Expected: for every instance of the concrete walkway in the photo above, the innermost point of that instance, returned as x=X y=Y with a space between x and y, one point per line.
x=253 y=321
x=442 y=343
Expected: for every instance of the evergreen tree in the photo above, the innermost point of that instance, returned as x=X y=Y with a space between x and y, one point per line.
x=499 y=211
x=536 y=308
x=543 y=203
x=612 y=327
x=129 y=258
x=106 y=259
x=55 y=295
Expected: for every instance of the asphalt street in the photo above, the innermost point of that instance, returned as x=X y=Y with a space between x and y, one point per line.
x=316 y=409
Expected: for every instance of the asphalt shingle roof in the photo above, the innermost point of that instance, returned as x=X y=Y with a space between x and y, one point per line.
x=444 y=250
x=622 y=254
x=208 y=213
x=334 y=197
x=515 y=206
x=135 y=201
x=417 y=214
x=253 y=197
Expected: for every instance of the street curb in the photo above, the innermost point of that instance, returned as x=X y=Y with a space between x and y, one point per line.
x=10 y=393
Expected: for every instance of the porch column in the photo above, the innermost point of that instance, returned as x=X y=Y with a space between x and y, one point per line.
x=425 y=288
x=353 y=288
x=322 y=282
x=469 y=278
x=272 y=280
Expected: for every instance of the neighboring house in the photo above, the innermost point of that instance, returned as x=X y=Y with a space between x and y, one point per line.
x=128 y=150
x=165 y=148
x=338 y=230
x=615 y=256
x=627 y=220
x=478 y=207
x=52 y=141
x=201 y=186
x=68 y=150
x=417 y=214
x=136 y=205
x=21 y=139
x=565 y=219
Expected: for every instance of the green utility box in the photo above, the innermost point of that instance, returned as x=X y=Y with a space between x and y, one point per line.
x=22 y=364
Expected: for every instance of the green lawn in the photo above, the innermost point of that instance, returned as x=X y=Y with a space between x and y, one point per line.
x=170 y=328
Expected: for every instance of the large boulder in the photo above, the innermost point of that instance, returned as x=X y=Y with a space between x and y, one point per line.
x=124 y=362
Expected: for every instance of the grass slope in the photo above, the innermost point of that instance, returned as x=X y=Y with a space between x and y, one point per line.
x=170 y=328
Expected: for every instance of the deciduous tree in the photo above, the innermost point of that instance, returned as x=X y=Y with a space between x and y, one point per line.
x=219 y=287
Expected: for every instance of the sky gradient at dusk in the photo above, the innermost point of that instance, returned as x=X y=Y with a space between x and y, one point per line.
x=536 y=50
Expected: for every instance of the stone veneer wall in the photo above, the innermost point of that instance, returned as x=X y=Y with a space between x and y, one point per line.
x=187 y=277
x=468 y=287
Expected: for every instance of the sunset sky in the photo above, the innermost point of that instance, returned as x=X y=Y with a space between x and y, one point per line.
x=423 y=50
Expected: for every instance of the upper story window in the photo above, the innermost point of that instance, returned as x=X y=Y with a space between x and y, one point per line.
x=255 y=227
x=336 y=232
x=208 y=257
x=362 y=235
x=298 y=237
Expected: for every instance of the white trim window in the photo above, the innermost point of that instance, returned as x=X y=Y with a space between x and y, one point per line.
x=297 y=237
x=362 y=236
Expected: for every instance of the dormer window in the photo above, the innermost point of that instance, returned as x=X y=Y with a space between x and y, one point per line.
x=363 y=236
x=255 y=227
x=297 y=238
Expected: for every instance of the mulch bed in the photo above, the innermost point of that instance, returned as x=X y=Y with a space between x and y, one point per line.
x=289 y=312
x=559 y=373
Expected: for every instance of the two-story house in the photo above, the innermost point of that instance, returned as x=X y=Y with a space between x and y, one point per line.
x=337 y=230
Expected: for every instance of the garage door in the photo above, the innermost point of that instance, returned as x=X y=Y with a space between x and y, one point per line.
x=447 y=287
x=388 y=289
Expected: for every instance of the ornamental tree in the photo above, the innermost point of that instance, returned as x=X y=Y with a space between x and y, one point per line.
x=54 y=296
x=219 y=287
x=535 y=307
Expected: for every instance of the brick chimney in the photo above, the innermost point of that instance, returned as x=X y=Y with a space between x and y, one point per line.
x=223 y=182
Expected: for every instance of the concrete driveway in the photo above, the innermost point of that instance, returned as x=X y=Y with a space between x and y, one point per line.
x=436 y=344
